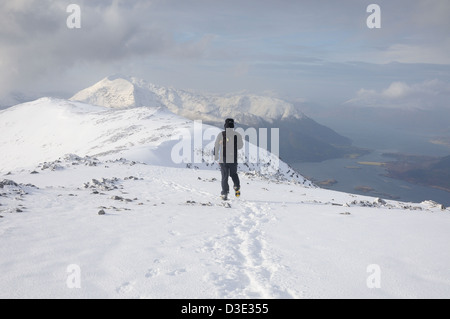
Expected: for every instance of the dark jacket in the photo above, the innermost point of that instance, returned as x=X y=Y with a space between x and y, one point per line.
x=227 y=145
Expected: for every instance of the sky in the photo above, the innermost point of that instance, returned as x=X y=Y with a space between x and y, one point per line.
x=316 y=51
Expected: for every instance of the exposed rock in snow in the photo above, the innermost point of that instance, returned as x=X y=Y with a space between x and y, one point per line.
x=102 y=212
x=105 y=184
x=7 y=182
x=433 y=204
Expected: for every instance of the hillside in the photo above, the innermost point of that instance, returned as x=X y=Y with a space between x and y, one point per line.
x=428 y=171
x=301 y=138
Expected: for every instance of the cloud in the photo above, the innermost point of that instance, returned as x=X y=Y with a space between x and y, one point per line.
x=36 y=44
x=298 y=46
x=428 y=95
x=418 y=53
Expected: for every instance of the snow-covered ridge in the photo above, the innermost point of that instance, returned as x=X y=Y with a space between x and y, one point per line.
x=123 y=92
x=47 y=129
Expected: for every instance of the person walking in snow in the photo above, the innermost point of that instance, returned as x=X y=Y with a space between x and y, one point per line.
x=228 y=143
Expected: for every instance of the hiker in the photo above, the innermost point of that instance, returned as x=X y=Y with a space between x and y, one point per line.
x=228 y=143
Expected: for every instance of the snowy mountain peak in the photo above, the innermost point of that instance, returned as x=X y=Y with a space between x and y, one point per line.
x=119 y=91
x=114 y=91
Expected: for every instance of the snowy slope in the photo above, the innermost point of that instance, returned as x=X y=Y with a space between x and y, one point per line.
x=165 y=234
x=47 y=129
x=137 y=225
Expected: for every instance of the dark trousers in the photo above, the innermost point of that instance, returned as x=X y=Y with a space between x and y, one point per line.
x=227 y=171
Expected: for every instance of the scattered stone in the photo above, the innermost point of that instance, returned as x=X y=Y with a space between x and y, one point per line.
x=380 y=203
x=34 y=173
x=7 y=182
x=72 y=158
x=346 y=213
x=433 y=204
x=226 y=205
x=18 y=210
x=54 y=166
x=207 y=204
x=104 y=184
x=102 y=212
x=118 y=198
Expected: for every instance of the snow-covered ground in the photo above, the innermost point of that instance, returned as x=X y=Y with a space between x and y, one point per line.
x=121 y=220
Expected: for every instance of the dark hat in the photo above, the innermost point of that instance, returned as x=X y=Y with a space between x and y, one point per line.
x=229 y=123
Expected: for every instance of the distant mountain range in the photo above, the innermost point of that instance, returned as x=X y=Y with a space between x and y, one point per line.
x=301 y=138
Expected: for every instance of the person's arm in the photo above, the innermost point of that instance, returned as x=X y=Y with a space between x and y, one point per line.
x=217 y=147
